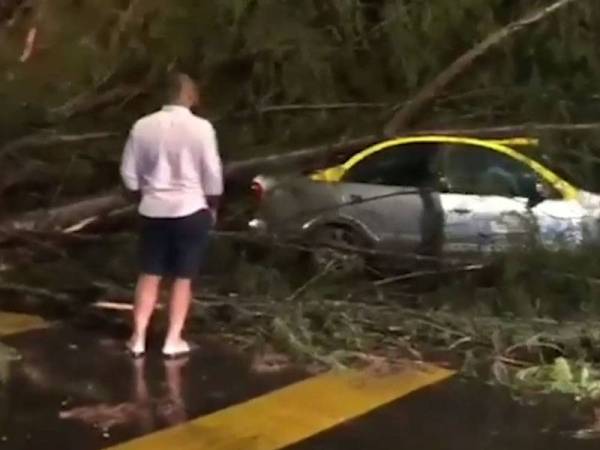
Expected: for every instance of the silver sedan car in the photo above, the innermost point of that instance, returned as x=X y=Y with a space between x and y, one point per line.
x=442 y=197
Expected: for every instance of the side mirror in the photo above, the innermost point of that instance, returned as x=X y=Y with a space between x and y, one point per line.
x=443 y=185
x=539 y=194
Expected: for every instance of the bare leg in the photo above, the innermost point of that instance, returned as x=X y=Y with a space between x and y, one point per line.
x=181 y=296
x=146 y=294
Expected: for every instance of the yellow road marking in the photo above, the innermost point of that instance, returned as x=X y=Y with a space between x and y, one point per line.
x=11 y=323
x=292 y=414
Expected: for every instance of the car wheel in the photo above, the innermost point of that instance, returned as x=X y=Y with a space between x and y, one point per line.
x=337 y=250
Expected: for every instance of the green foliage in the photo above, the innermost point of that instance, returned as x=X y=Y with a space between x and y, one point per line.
x=255 y=54
x=564 y=377
x=544 y=283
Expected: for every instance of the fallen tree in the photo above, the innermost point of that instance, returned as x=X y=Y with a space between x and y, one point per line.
x=65 y=217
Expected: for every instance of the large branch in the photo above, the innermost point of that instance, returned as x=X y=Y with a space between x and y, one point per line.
x=406 y=115
x=512 y=130
x=61 y=217
x=50 y=139
x=324 y=154
x=92 y=209
x=298 y=158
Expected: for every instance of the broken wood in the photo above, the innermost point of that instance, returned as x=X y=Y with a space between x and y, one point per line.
x=29 y=46
x=76 y=216
x=406 y=115
x=118 y=306
x=48 y=139
x=61 y=217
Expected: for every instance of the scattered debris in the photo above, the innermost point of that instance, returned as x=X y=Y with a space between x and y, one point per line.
x=270 y=362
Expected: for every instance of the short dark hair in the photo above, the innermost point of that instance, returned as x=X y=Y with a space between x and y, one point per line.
x=174 y=83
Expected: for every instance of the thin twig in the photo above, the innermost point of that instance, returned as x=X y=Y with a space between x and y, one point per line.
x=424 y=273
x=528 y=346
x=319 y=107
x=310 y=282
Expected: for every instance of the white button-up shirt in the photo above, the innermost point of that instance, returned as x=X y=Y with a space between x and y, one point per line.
x=172 y=158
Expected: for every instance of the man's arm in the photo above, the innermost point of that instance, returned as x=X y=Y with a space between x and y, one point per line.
x=211 y=170
x=129 y=173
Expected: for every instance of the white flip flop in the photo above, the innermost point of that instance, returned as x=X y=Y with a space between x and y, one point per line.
x=176 y=351
x=136 y=350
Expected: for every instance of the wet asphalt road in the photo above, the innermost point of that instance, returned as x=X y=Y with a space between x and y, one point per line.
x=80 y=391
x=459 y=415
x=77 y=390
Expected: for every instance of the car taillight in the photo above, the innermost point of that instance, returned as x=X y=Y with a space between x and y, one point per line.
x=258 y=190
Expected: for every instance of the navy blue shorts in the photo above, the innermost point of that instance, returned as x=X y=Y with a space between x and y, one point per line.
x=174 y=247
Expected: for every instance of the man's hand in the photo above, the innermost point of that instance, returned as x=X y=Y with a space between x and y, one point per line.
x=213 y=206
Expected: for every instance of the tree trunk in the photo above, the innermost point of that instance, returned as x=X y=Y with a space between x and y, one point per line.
x=63 y=216
x=407 y=115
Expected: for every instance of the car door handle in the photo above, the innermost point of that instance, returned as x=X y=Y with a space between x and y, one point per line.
x=461 y=211
x=355 y=198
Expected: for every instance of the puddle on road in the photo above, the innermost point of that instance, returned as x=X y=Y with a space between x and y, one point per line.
x=78 y=390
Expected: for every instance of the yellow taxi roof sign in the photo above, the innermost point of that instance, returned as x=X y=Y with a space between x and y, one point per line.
x=516 y=142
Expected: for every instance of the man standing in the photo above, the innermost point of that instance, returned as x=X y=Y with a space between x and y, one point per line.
x=171 y=159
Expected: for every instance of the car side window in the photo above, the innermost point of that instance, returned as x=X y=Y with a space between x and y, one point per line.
x=470 y=169
x=410 y=165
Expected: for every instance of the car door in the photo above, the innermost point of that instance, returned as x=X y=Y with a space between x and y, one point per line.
x=491 y=201
x=393 y=193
